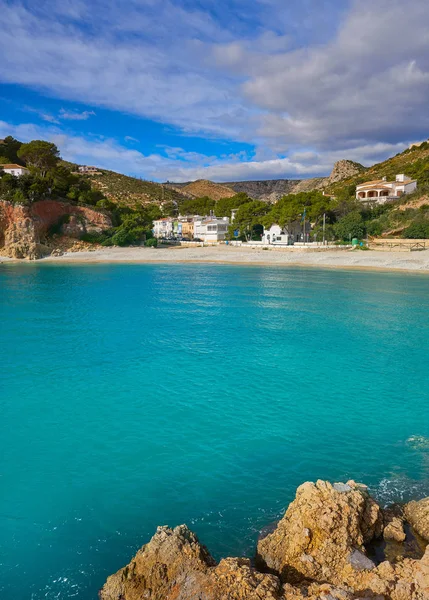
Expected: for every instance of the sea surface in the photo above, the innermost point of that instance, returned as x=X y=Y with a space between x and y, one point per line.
x=141 y=395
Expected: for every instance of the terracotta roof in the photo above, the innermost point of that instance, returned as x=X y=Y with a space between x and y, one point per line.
x=12 y=166
x=378 y=187
x=375 y=182
x=383 y=182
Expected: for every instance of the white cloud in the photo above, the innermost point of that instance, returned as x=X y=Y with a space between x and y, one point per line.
x=303 y=85
x=74 y=115
x=177 y=164
x=369 y=83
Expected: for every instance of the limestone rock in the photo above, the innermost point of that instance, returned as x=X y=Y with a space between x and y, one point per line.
x=393 y=525
x=328 y=523
x=316 y=552
x=21 y=239
x=174 y=565
x=343 y=169
x=417 y=514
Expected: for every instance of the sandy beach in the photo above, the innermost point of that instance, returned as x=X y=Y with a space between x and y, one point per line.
x=345 y=259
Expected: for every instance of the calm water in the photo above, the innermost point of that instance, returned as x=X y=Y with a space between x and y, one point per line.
x=133 y=396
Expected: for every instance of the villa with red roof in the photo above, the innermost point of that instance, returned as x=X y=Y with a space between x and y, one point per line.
x=16 y=170
x=381 y=190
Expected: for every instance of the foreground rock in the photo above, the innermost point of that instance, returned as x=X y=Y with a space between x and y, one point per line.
x=175 y=565
x=318 y=551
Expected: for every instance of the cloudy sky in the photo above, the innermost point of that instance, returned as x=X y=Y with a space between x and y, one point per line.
x=217 y=89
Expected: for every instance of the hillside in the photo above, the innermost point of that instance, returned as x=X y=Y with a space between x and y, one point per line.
x=204 y=187
x=129 y=190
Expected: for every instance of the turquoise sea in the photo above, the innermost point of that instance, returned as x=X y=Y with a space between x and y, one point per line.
x=139 y=395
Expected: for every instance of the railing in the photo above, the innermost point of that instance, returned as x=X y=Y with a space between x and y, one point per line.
x=391 y=245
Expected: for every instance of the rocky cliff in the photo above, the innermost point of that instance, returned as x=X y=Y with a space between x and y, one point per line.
x=344 y=169
x=318 y=551
x=24 y=229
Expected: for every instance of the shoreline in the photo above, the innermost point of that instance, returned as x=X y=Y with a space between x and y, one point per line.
x=370 y=260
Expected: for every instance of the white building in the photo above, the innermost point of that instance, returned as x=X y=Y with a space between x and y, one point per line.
x=163 y=228
x=88 y=170
x=16 y=170
x=381 y=190
x=288 y=235
x=211 y=229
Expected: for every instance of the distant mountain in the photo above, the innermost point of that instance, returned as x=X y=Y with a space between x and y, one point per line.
x=270 y=190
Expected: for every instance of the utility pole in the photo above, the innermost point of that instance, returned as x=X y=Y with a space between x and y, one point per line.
x=324 y=225
x=304 y=224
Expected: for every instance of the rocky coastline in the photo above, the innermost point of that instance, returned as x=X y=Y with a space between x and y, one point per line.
x=335 y=542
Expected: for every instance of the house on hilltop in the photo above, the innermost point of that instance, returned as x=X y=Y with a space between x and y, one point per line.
x=381 y=190
x=16 y=170
x=87 y=170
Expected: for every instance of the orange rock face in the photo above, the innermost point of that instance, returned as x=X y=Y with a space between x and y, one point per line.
x=24 y=228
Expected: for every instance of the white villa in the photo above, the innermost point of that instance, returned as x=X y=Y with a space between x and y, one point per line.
x=211 y=229
x=163 y=228
x=16 y=170
x=286 y=236
x=381 y=190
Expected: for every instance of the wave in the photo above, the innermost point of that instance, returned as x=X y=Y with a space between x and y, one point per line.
x=399 y=489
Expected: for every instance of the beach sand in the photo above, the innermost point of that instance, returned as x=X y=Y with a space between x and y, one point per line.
x=345 y=259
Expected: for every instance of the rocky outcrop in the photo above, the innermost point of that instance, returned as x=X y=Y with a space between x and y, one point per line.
x=175 y=565
x=393 y=522
x=323 y=533
x=19 y=234
x=343 y=169
x=24 y=229
x=417 y=514
x=317 y=552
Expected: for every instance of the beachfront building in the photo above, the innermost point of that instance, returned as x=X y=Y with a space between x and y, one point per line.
x=163 y=228
x=15 y=170
x=211 y=229
x=288 y=235
x=187 y=227
x=381 y=190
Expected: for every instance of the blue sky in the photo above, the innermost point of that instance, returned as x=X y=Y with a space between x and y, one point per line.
x=186 y=89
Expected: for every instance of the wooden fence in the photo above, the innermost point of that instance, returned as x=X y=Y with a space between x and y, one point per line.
x=398 y=245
